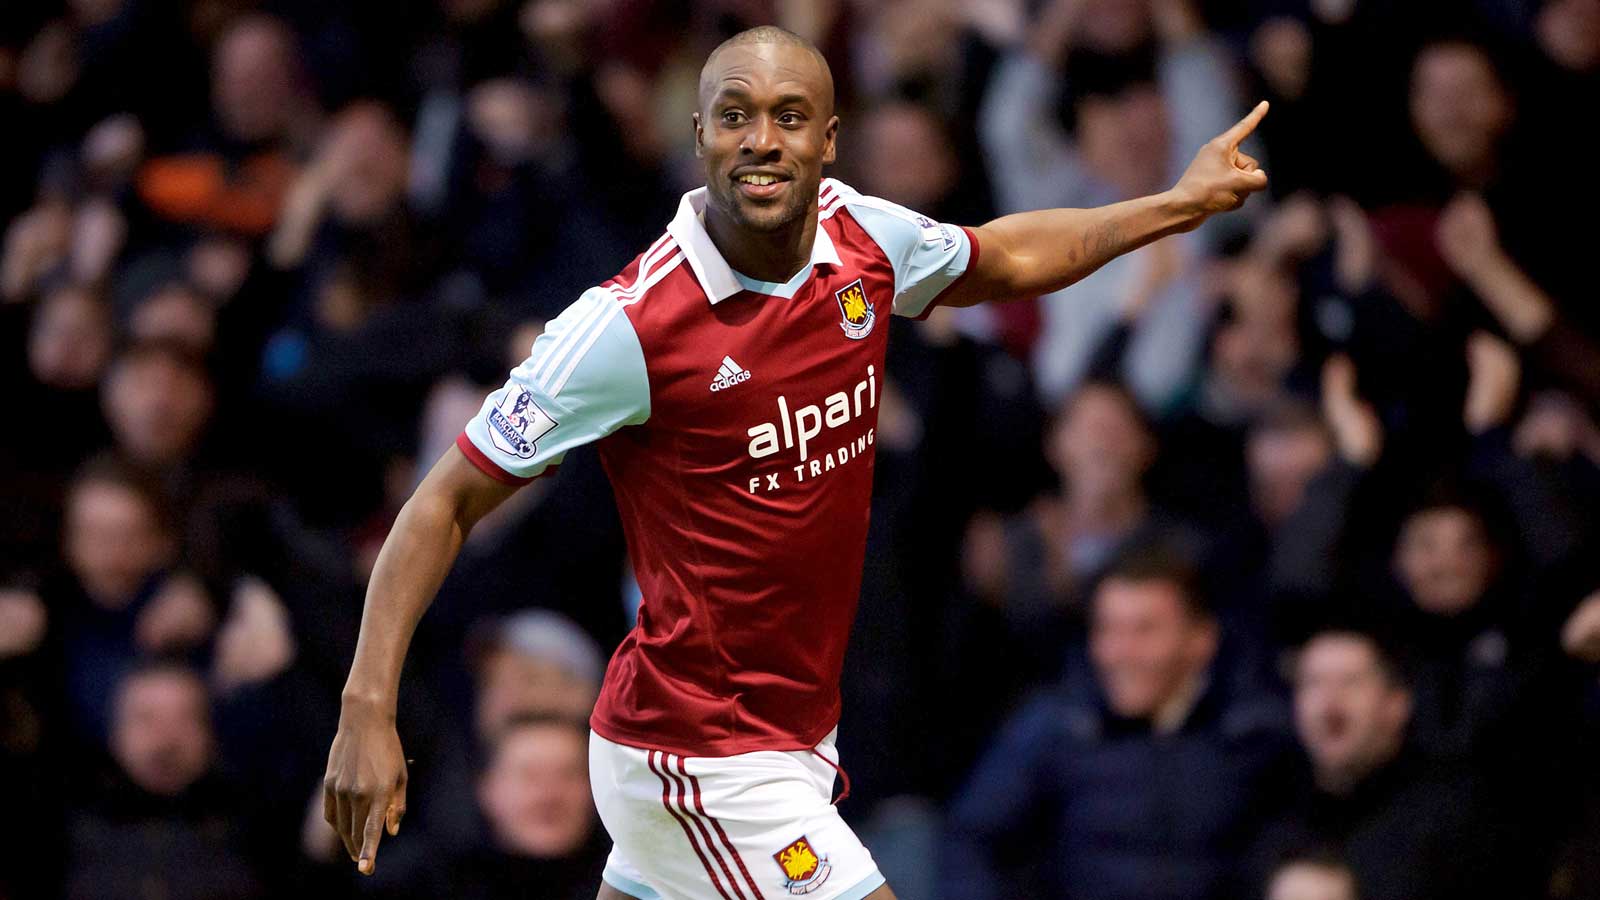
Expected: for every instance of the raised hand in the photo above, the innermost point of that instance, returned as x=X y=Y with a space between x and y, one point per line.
x=1467 y=238
x=1492 y=385
x=1580 y=637
x=1357 y=431
x=1222 y=176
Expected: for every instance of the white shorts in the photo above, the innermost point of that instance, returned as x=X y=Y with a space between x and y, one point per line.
x=756 y=826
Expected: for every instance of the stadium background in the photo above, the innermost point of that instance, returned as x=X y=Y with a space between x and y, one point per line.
x=262 y=260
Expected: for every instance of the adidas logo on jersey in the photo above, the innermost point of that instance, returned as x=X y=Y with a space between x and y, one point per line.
x=728 y=375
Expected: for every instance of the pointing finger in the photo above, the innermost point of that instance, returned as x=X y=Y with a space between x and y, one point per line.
x=371 y=834
x=1233 y=136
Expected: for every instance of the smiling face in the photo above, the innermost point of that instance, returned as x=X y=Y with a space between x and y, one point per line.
x=765 y=130
x=1146 y=644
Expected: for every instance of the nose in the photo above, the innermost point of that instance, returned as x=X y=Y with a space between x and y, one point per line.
x=762 y=139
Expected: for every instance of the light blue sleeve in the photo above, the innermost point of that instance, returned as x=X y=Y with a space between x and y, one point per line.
x=584 y=379
x=927 y=256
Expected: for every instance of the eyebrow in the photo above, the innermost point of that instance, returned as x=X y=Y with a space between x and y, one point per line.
x=740 y=94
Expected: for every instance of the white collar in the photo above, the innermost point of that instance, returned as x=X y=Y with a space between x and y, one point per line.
x=714 y=273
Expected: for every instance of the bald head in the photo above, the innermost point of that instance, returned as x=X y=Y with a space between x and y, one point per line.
x=755 y=40
x=765 y=130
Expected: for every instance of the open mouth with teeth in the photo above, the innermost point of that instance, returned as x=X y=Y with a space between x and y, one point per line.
x=760 y=185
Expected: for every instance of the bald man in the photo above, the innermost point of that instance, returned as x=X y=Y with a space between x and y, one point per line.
x=730 y=378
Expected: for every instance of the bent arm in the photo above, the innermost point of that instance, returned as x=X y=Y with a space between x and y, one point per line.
x=412 y=565
x=1033 y=253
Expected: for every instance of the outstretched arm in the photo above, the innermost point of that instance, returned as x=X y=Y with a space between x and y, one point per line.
x=1033 y=253
x=365 y=786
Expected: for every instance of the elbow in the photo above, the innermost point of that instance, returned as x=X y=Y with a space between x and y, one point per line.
x=435 y=510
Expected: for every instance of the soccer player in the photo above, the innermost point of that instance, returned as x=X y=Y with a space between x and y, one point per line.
x=730 y=377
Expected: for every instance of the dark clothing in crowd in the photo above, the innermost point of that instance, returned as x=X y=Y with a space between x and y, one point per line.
x=484 y=872
x=1409 y=831
x=126 y=843
x=1072 y=801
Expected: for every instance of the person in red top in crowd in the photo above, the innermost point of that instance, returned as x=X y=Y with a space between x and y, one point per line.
x=730 y=377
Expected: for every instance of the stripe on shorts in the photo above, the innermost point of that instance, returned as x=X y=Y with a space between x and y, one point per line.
x=705 y=835
x=666 y=794
x=737 y=859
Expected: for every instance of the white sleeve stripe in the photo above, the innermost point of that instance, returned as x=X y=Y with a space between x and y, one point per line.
x=568 y=339
x=650 y=254
x=644 y=281
x=636 y=293
x=612 y=311
x=554 y=390
x=595 y=333
x=592 y=324
x=556 y=330
x=558 y=351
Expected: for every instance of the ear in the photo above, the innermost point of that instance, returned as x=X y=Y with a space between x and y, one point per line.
x=699 y=135
x=1399 y=707
x=830 y=136
x=1204 y=642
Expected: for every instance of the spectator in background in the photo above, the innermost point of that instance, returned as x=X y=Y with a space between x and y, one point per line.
x=534 y=662
x=362 y=264
x=1037 y=566
x=159 y=400
x=177 y=314
x=541 y=836
x=1145 y=786
x=235 y=178
x=1135 y=130
x=1305 y=472
x=1461 y=627
x=162 y=823
x=909 y=159
x=543 y=827
x=1469 y=240
x=123 y=594
x=1312 y=876
x=1409 y=831
x=54 y=388
x=1462 y=110
x=69 y=343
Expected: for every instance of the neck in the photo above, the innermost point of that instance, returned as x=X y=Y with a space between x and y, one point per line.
x=1343 y=780
x=1171 y=715
x=774 y=255
x=1105 y=510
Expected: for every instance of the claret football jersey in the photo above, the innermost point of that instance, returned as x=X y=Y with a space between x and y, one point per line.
x=736 y=422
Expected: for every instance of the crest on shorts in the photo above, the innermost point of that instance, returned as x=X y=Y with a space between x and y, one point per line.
x=856 y=310
x=803 y=870
x=517 y=423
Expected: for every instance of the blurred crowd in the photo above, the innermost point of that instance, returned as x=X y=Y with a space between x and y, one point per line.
x=1259 y=564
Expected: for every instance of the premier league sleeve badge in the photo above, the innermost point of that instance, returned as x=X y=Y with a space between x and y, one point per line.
x=517 y=424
